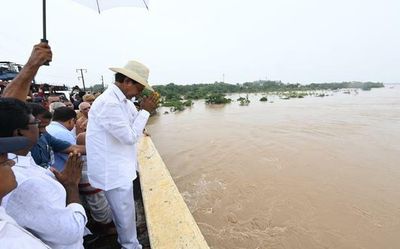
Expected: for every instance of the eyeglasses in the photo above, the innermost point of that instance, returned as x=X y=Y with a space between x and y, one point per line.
x=86 y=109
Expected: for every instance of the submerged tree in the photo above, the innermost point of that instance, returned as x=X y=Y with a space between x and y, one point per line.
x=244 y=101
x=217 y=98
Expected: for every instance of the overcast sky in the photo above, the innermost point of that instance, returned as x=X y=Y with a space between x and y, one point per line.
x=195 y=41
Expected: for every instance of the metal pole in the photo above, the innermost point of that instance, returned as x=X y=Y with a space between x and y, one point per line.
x=44 y=39
x=145 y=4
x=83 y=79
x=98 y=6
x=44 y=22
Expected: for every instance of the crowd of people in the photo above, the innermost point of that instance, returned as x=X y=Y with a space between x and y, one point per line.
x=61 y=160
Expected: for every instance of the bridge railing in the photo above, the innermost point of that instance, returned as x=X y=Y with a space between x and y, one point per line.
x=169 y=222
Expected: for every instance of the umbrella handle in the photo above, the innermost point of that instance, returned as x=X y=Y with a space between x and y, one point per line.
x=44 y=39
x=47 y=63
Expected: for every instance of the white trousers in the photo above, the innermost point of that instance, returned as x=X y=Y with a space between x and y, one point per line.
x=123 y=210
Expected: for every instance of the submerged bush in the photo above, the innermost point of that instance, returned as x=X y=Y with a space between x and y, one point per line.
x=217 y=98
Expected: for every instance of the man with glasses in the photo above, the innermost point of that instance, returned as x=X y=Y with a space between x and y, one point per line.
x=13 y=235
x=40 y=203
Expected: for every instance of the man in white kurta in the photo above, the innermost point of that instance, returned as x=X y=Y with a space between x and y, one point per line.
x=45 y=203
x=113 y=130
x=38 y=204
x=12 y=235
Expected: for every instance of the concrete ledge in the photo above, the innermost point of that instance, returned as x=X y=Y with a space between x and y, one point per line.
x=169 y=222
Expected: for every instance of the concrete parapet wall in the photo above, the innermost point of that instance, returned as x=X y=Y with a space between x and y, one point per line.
x=169 y=222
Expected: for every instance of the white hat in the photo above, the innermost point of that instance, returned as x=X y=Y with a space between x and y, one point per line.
x=136 y=71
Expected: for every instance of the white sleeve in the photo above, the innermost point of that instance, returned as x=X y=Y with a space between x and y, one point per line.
x=36 y=205
x=112 y=119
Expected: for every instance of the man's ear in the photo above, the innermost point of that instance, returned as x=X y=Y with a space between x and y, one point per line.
x=72 y=121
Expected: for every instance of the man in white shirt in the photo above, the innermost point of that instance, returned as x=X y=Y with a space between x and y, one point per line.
x=114 y=128
x=13 y=236
x=63 y=123
x=44 y=203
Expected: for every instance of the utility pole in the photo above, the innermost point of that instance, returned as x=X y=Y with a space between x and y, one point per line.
x=102 y=83
x=81 y=77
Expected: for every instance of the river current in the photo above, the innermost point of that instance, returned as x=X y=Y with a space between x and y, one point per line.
x=316 y=172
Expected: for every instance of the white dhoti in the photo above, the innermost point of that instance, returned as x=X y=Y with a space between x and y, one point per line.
x=94 y=198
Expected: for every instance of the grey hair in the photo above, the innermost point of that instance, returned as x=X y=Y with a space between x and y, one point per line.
x=54 y=106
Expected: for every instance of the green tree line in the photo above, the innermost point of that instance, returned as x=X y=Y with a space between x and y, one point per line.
x=172 y=91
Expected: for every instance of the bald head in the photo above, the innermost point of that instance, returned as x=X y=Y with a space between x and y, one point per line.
x=84 y=108
x=83 y=105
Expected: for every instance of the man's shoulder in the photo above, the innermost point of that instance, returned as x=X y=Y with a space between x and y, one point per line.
x=81 y=119
x=57 y=144
x=30 y=179
x=33 y=194
x=103 y=105
x=27 y=167
x=52 y=127
x=42 y=142
x=41 y=179
x=57 y=131
x=47 y=137
x=107 y=97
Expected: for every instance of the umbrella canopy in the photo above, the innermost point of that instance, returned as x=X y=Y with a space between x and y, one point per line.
x=101 y=5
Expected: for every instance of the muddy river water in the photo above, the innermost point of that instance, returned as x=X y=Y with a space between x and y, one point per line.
x=299 y=173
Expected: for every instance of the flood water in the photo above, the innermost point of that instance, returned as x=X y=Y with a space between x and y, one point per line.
x=300 y=173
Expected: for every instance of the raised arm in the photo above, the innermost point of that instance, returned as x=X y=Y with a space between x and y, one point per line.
x=19 y=86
